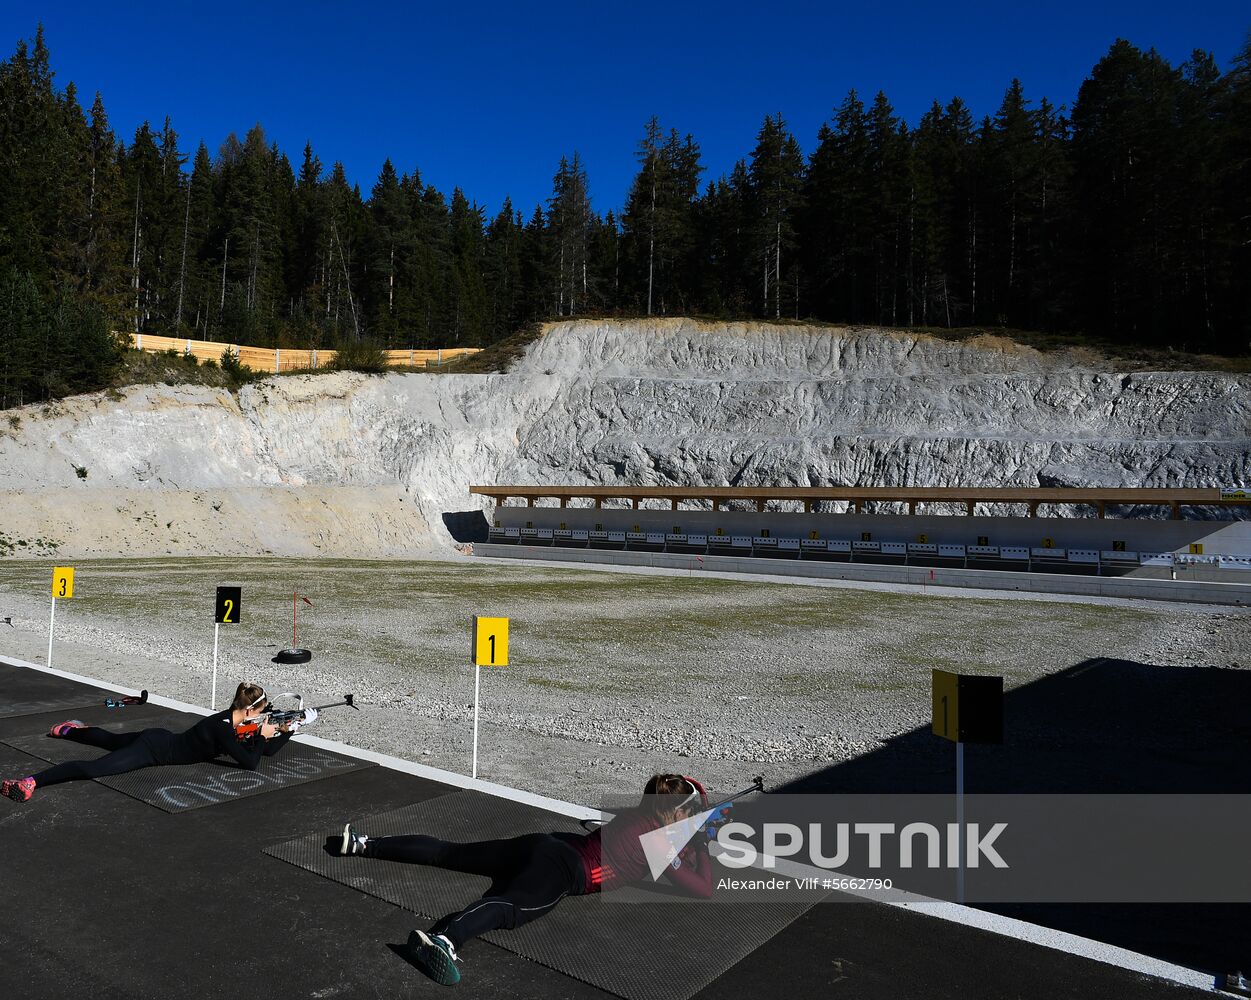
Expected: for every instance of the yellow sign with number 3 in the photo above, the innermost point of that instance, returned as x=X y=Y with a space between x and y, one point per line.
x=63 y=581
x=490 y=642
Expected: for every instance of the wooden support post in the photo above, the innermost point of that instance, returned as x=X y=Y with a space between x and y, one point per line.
x=529 y=501
x=564 y=502
x=912 y=507
x=760 y=506
x=673 y=504
x=807 y=506
x=1100 y=505
x=1176 y=511
x=968 y=507
x=599 y=503
x=858 y=504
x=636 y=503
x=1033 y=508
x=716 y=505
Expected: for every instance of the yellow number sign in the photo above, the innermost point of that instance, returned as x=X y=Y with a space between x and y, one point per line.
x=1196 y=549
x=63 y=581
x=490 y=642
x=968 y=708
x=946 y=704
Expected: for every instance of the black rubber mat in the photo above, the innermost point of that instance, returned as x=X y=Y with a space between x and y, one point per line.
x=638 y=944
x=179 y=787
x=32 y=692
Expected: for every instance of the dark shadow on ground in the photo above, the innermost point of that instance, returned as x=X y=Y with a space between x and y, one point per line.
x=467 y=525
x=1101 y=726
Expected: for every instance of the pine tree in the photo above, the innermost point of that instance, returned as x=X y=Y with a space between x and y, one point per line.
x=389 y=245
x=569 y=220
x=1234 y=181
x=776 y=175
x=1124 y=145
x=470 y=313
x=502 y=271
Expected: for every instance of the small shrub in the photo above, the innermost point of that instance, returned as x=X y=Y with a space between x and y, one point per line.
x=236 y=372
x=360 y=356
x=81 y=470
x=15 y=421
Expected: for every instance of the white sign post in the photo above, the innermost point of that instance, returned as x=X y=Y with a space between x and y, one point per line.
x=477 y=679
x=51 y=626
x=967 y=708
x=213 y=695
x=489 y=649
x=62 y=586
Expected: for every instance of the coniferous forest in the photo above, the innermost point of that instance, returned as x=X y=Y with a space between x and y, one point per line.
x=1125 y=216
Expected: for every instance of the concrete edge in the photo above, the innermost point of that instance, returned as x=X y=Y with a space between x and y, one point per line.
x=966 y=916
x=969 y=589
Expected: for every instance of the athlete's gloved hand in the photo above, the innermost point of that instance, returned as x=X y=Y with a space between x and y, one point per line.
x=310 y=716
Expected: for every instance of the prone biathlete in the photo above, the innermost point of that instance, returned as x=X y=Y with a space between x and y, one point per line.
x=210 y=737
x=531 y=874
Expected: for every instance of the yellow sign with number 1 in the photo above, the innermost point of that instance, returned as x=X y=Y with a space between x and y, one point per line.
x=490 y=642
x=63 y=581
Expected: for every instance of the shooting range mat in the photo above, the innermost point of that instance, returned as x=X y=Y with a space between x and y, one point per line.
x=32 y=692
x=638 y=944
x=176 y=788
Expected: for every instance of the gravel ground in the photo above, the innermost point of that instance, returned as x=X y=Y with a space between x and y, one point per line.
x=612 y=675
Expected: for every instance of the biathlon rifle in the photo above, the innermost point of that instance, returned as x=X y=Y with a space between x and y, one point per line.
x=131 y=699
x=720 y=813
x=285 y=719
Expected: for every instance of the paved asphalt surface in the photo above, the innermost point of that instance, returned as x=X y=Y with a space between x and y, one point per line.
x=106 y=897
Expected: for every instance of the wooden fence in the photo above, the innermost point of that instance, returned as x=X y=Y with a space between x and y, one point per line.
x=266 y=359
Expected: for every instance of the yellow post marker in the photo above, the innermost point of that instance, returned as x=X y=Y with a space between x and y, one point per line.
x=490 y=642
x=488 y=649
x=63 y=581
x=1196 y=548
x=62 y=586
x=945 y=695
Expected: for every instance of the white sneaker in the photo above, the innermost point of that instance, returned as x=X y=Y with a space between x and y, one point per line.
x=353 y=843
x=436 y=957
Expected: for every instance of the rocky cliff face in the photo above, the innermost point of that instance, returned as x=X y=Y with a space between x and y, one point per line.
x=353 y=465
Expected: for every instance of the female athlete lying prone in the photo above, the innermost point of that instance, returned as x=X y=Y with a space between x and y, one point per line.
x=210 y=737
x=531 y=874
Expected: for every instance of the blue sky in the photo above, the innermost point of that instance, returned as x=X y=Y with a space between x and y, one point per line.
x=488 y=96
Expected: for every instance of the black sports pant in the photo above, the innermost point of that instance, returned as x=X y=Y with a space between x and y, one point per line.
x=128 y=752
x=529 y=876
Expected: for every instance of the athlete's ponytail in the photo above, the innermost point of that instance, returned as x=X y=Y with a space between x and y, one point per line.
x=669 y=795
x=248 y=695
